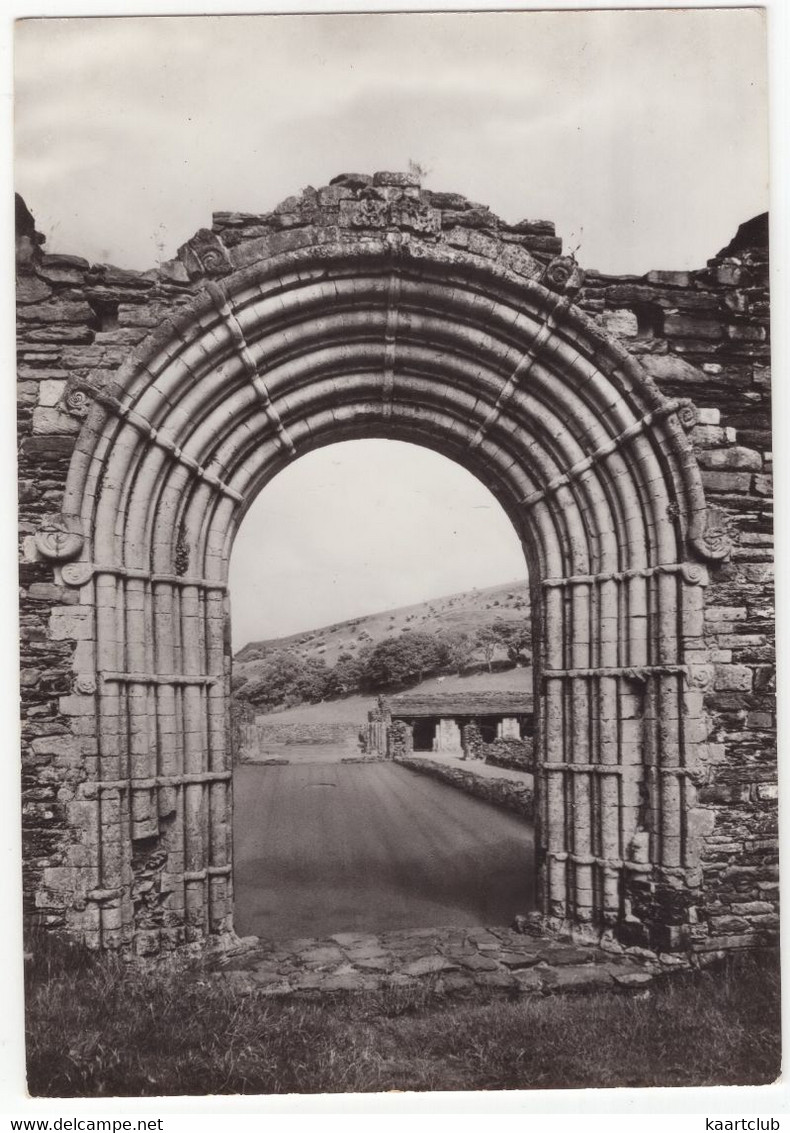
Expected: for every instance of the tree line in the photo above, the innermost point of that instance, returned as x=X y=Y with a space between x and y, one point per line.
x=285 y=678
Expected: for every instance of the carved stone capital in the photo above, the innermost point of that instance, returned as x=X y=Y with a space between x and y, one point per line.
x=205 y=255
x=416 y=217
x=688 y=414
x=695 y=574
x=76 y=574
x=715 y=541
x=60 y=537
x=563 y=275
x=85 y=683
x=701 y=676
x=366 y=213
x=77 y=401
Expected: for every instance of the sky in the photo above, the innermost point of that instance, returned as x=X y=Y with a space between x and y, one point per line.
x=417 y=526
x=642 y=135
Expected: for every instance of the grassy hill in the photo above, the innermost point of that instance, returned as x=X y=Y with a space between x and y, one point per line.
x=355 y=708
x=468 y=611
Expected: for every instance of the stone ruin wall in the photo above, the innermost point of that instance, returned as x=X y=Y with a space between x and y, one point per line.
x=268 y=736
x=700 y=335
x=704 y=335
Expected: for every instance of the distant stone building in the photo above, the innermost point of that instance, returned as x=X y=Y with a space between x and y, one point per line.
x=436 y=721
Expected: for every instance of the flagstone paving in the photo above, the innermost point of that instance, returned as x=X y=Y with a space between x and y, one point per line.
x=453 y=960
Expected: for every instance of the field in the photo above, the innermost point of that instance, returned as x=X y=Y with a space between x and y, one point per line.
x=99 y=1028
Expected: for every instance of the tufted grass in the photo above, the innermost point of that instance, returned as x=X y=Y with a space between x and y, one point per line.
x=98 y=1027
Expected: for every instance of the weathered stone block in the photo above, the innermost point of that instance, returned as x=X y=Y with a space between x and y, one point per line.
x=734 y=677
x=670 y=368
x=747 y=333
x=50 y=392
x=56 y=745
x=728 y=273
x=738 y=482
x=733 y=458
x=69 y=623
x=727 y=925
x=622 y=322
x=47 y=421
x=31 y=290
x=688 y=326
x=77 y=705
x=747 y=908
x=716 y=614
x=669 y=278
x=57 y=312
x=712 y=436
x=46 y=591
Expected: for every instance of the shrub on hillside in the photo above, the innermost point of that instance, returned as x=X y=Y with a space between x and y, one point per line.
x=486 y=640
x=457 y=647
x=346 y=674
x=285 y=678
x=515 y=638
x=396 y=661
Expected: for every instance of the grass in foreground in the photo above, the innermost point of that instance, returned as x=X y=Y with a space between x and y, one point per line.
x=98 y=1027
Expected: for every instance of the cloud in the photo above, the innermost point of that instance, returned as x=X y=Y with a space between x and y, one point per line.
x=615 y=122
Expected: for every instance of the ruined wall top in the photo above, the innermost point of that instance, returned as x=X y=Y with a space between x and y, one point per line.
x=352 y=207
x=354 y=204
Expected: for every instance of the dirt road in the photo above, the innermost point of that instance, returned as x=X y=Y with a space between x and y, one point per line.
x=323 y=848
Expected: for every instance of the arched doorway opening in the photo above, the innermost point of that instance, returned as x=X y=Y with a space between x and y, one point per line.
x=377 y=561
x=464 y=352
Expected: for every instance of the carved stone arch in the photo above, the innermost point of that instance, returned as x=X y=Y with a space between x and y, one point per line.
x=379 y=336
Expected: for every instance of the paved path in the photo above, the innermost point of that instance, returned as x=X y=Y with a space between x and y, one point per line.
x=462 y=960
x=327 y=848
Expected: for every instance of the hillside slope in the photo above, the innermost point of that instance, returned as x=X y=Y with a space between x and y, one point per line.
x=355 y=708
x=467 y=611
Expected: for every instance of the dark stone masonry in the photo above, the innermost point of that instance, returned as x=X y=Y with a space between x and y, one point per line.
x=639 y=478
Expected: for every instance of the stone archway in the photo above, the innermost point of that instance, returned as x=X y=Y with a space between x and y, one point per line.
x=482 y=356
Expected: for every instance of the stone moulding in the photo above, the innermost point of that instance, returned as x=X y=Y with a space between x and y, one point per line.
x=715 y=541
x=404 y=338
x=76 y=574
x=60 y=537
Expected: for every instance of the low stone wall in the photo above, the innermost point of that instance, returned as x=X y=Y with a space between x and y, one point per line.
x=261 y=735
x=516 y=755
x=344 y=733
x=507 y=793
